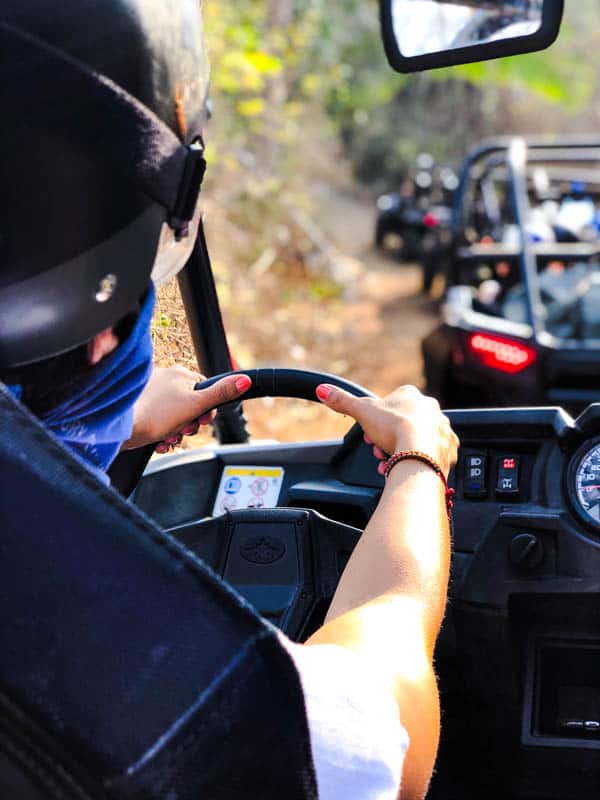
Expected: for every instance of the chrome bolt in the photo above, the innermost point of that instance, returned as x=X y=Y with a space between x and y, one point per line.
x=106 y=288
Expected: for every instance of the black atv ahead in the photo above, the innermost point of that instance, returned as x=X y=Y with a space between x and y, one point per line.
x=415 y=219
x=521 y=319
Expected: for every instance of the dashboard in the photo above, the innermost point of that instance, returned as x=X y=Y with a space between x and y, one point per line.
x=518 y=658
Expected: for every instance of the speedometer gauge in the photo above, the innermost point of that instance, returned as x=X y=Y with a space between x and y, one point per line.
x=584 y=482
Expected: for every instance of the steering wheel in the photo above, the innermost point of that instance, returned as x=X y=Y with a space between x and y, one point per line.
x=280 y=382
x=128 y=468
x=285 y=561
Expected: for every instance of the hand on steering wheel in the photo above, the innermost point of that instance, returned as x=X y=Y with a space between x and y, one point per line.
x=128 y=467
x=403 y=420
x=170 y=408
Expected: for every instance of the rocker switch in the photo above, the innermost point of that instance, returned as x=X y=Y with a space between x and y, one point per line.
x=508 y=476
x=475 y=475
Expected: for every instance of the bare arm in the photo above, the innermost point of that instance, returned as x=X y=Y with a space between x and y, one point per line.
x=390 y=601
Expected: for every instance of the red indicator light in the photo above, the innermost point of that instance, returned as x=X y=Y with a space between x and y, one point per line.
x=501 y=353
x=509 y=463
x=430 y=220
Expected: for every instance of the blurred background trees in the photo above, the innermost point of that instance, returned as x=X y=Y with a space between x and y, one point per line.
x=290 y=75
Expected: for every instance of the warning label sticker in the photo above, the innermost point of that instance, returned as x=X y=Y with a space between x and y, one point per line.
x=248 y=487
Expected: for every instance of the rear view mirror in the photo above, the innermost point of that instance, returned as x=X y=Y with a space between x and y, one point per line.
x=423 y=34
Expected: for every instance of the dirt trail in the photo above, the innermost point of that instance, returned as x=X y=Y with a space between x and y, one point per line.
x=402 y=315
x=370 y=334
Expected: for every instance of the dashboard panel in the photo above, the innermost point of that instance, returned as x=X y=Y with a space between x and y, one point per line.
x=518 y=658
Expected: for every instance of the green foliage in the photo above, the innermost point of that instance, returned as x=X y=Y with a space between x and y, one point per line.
x=325 y=289
x=328 y=56
x=565 y=74
x=283 y=67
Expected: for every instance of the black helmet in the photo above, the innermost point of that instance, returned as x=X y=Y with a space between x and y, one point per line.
x=102 y=106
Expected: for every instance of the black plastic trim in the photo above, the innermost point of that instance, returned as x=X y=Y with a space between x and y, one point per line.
x=307 y=494
x=523 y=423
x=588 y=422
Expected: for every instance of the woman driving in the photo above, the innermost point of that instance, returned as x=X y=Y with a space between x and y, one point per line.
x=106 y=102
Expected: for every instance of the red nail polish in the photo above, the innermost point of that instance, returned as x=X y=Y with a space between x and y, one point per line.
x=323 y=391
x=243 y=383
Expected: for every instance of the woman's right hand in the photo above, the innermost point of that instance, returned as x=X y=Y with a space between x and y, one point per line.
x=403 y=420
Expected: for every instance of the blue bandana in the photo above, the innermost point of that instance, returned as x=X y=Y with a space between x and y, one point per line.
x=98 y=417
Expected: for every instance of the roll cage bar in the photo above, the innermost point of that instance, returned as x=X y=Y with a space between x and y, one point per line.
x=205 y=320
x=517 y=153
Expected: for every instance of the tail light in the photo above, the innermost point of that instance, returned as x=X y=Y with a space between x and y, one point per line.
x=430 y=220
x=498 y=352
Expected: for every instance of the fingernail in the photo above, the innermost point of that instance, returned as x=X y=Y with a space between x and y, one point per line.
x=189 y=430
x=172 y=440
x=243 y=383
x=324 y=391
x=162 y=448
x=367 y=440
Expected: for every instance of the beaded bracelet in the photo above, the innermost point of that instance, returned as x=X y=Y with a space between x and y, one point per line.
x=417 y=455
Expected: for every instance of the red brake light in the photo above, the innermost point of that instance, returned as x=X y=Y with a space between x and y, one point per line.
x=500 y=353
x=430 y=220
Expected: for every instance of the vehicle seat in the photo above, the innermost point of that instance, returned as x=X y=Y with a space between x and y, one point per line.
x=128 y=670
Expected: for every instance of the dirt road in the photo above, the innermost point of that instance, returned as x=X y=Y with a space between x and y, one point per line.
x=400 y=315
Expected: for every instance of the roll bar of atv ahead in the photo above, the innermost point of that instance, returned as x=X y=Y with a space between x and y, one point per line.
x=515 y=152
x=571 y=148
x=517 y=167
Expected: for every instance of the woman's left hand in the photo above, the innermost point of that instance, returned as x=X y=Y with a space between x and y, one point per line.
x=169 y=408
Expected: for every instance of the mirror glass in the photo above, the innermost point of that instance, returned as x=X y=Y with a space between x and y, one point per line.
x=422 y=27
